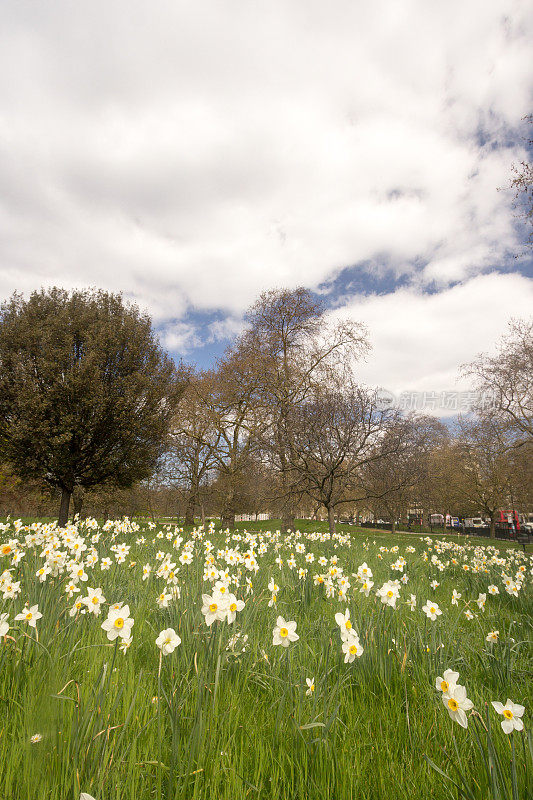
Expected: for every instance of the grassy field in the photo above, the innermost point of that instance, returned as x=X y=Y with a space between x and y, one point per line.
x=229 y=714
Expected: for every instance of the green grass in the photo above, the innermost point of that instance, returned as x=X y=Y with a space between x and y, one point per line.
x=205 y=723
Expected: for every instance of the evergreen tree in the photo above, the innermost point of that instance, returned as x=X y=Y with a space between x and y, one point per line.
x=86 y=391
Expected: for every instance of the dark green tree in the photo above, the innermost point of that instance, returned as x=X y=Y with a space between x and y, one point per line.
x=86 y=391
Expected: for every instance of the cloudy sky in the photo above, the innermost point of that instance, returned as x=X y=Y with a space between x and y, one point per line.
x=192 y=155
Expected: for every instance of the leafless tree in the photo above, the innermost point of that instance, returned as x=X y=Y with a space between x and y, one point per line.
x=522 y=185
x=193 y=443
x=289 y=349
x=337 y=433
x=488 y=468
x=507 y=377
x=398 y=478
x=231 y=404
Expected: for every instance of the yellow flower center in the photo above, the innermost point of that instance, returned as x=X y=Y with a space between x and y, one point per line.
x=283 y=632
x=389 y=593
x=6 y=549
x=80 y=572
x=507 y=713
x=222 y=589
x=213 y=607
x=432 y=609
x=453 y=704
x=94 y=600
x=444 y=685
x=348 y=624
x=233 y=607
x=353 y=650
x=29 y=615
x=119 y=622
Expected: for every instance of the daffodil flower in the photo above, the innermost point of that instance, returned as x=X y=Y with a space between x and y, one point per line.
x=512 y=713
x=284 y=632
x=457 y=703
x=167 y=641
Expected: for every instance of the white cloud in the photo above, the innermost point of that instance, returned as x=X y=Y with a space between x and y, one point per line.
x=420 y=340
x=180 y=337
x=224 y=329
x=196 y=154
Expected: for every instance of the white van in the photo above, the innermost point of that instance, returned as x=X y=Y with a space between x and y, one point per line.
x=475 y=522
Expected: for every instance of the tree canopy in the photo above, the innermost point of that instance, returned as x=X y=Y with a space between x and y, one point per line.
x=86 y=391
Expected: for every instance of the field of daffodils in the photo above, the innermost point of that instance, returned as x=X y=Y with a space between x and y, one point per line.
x=149 y=661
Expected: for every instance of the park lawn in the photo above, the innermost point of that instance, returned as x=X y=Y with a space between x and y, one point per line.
x=310 y=526
x=220 y=720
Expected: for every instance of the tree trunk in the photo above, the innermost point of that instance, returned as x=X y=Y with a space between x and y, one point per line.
x=287 y=520
x=202 y=511
x=189 y=513
x=77 y=497
x=331 y=520
x=63 y=508
x=228 y=520
x=393 y=526
x=492 y=526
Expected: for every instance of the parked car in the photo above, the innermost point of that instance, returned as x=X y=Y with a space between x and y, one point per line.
x=526 y=522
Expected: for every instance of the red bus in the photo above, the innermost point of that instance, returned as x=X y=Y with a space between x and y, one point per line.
x=508 y=519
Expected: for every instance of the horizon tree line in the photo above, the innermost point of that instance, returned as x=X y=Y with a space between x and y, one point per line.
x=93 y=408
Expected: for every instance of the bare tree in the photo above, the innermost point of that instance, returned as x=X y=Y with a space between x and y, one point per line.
x=522 y=185
x=290 y=348
x=398 y=478
x=521 y=464
x=193 y=443
x=444 y=487
x=508 y=378
x=231 y=404
x=488 y=468
x=337 y=433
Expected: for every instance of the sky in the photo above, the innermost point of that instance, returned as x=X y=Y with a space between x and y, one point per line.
x=193 y=155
